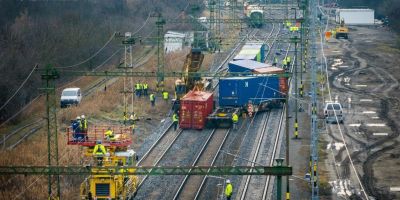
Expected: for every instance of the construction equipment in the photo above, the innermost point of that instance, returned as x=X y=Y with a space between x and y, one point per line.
x=189 y=81
x=107 y=183
x=342 y=30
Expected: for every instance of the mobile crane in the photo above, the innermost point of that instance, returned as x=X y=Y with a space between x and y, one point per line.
x=187 y=82
x=192 y=64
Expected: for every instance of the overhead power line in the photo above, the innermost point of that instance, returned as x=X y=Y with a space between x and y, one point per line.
x=19 y=88
x=92 y=56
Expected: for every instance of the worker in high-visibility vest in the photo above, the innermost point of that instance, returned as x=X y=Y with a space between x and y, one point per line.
x=123 y=171
x=137 y=89
x=165 y=96
x=84 y=124
x=235 y=120
x=109 y=134
x=141 y=89
x=250 y=109
x=175 y=120
x=284 y=63
x=152 y=99
x=132 y=120
x=228 y=189
x=145 y=88
x=99 y=151
x=275 y=61
x=288 y=61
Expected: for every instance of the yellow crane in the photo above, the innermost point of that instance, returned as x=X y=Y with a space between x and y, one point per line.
x=187 y=82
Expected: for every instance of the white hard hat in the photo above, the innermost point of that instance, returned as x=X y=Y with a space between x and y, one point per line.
x=78 y=117
x=83 y=116
x=228 y=181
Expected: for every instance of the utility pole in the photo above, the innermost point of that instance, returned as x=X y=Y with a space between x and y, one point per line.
x=287 y=141
x=160 y=52
x=52 y=141
x=128 y=64
x=296 y=40
x=212 y=25
x=314 y=131
x=302 y=57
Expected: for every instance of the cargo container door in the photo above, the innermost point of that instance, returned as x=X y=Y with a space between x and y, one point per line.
x=228 y=92
x=283 y=86
x=246 y=88
x=198 y=115
x=185 y=118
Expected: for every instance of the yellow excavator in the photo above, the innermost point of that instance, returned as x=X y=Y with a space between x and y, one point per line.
x=342 y=30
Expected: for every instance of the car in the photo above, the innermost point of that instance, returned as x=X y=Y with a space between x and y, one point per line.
x=70 y=96
x=333 y=112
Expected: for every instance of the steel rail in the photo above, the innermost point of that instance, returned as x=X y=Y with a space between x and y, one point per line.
x=267 y=183
x=180 y=131
x=231 y=54
x=198 y=158
x=255 y=156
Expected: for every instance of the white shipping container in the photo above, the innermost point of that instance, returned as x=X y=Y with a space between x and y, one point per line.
x=356 y=16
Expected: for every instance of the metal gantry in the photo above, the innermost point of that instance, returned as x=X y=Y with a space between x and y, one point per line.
x=166 y=74
x=160 y=50
x=147 y=170
x=50 y=75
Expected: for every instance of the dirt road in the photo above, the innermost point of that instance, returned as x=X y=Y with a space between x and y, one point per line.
x=363 y=74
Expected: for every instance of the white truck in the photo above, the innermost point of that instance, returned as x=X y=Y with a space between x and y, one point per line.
x=333 y=112
x=70 y=96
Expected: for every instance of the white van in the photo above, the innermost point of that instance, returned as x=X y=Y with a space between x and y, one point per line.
x=70 y=96
x=333 y=112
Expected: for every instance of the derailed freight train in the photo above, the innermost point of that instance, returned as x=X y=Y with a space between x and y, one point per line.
x=248 y=94
x=267 y=90
x=263 y=90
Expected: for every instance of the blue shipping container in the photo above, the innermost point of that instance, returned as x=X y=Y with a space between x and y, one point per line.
x=245 y=65
x=237 y=91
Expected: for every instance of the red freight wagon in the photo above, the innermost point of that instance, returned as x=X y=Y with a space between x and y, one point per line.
x=195 y=107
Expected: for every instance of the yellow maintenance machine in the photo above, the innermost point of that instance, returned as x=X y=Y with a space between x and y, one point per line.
x=342 y=30
x=107 y=185
x=187 y=82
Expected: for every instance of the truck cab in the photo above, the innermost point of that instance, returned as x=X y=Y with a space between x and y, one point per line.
x=333 y=110
x=70 y=96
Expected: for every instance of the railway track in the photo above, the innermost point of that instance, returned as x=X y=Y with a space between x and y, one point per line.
x=21 y=133
x=181 y=151
x=216 y=136
x=157 y=151
x=207 y=156
x=259 y=187
x=254 y=186
x=208 y=185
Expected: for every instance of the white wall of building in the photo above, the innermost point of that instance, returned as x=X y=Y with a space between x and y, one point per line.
x=356 y=16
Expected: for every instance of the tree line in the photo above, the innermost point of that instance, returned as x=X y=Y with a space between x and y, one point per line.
x=63 y=33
